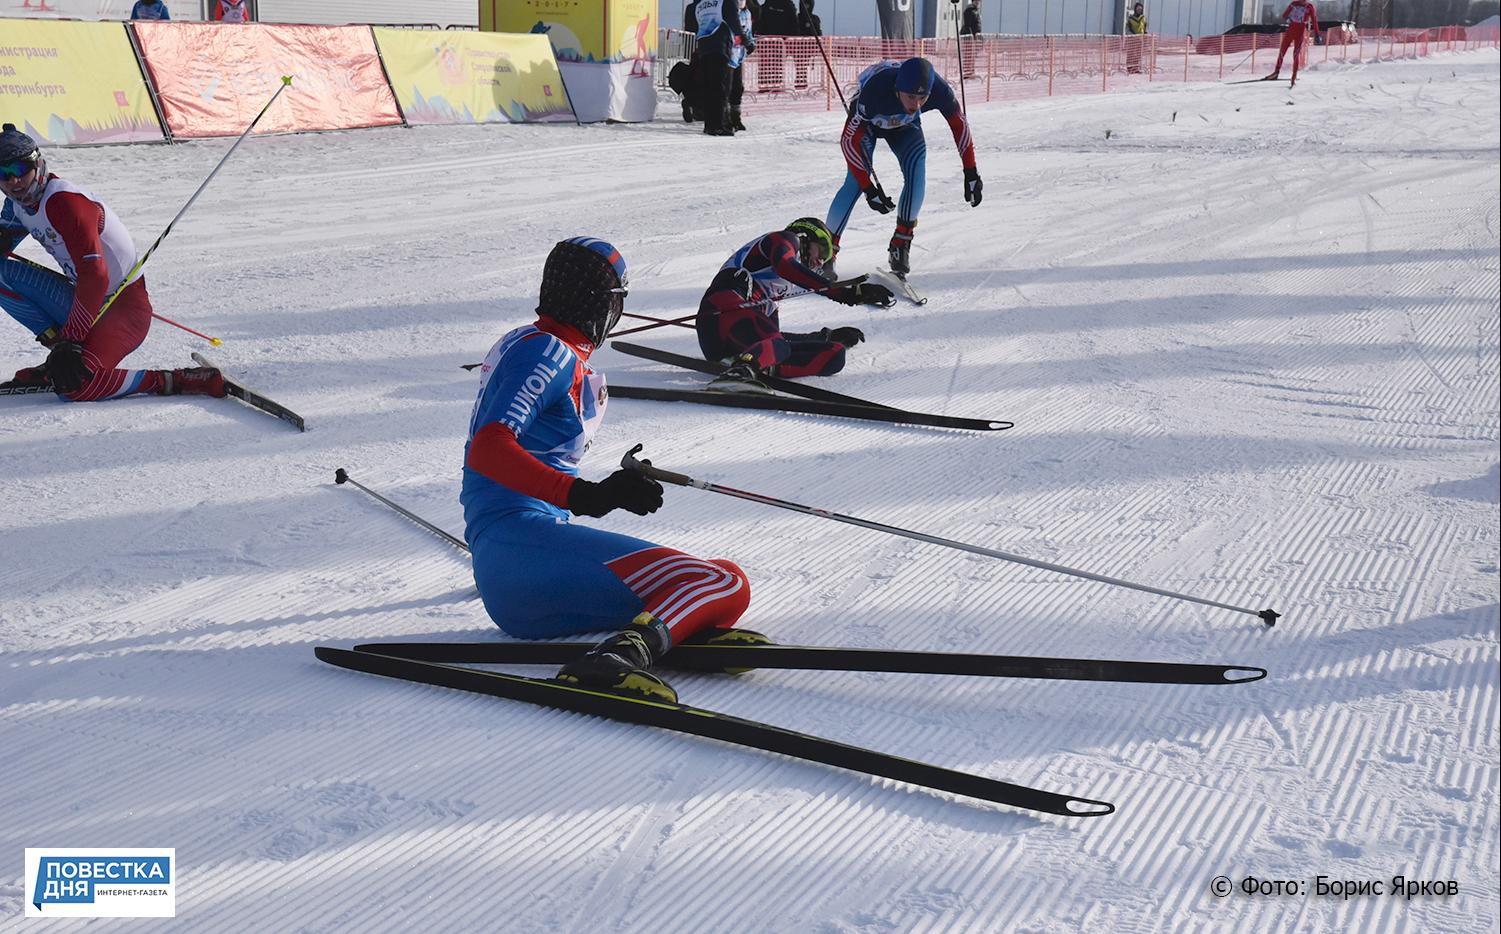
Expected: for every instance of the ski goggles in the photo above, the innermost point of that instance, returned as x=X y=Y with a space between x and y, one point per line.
x=17 y=169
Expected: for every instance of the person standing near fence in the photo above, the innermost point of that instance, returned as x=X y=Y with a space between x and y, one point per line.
x=971 y=28
x=808 y=24
x=778 y=18
x=737 y=73
x=1136 y=28
x=723 y=37
x=971 y=25
x=1299 y=17
x=889 y=105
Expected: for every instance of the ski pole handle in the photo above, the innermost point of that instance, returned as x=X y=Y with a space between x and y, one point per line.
x=629 y=462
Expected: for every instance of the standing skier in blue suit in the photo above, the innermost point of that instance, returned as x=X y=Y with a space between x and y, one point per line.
x=889 y=106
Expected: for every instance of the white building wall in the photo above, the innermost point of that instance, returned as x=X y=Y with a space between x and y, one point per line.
x=92 y=9
x=338 y=12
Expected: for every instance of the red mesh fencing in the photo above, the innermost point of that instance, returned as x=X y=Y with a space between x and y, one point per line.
x=789 y=72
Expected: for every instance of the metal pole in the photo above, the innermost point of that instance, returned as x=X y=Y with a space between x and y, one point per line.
x=286 y=82
x=630 y=462
x=342 y=476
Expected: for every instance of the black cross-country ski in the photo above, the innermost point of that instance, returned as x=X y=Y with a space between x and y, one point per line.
x=1256 y=80
x=24 y=387
x=792 y=387
x=830 y=658
x=901 y=286
x=698 y=721
x=756 y=400
x=701 y=365
x=254 y=399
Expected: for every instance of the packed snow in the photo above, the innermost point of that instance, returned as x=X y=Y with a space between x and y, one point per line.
x=1249 y=341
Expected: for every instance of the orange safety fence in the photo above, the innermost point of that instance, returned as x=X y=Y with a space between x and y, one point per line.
x=788 y=72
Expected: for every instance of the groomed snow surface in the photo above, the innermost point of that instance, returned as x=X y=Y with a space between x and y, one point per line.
x=1249 y=342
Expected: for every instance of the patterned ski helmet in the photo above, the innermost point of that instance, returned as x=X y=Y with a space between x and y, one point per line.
x=815 y=241
x=915 y=76
x=18 y=155
x=584 y=286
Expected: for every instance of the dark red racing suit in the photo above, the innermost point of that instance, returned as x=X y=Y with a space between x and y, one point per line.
x=730 y=324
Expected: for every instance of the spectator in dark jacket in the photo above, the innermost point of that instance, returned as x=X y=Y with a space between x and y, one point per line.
x=808 y=23
x=778 y=18
x=149 y=9
x=971 y=25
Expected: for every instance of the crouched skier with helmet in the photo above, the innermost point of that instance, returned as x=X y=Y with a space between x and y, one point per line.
x=738 y=317
x=62 y=309
x=539 y=575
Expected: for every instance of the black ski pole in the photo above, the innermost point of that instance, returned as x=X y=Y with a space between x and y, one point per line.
x=959 y=46
x=835 y=81
x=342 y=476
x=630 y=462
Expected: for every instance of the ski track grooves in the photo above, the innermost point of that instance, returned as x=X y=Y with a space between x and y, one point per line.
x=1251 y=357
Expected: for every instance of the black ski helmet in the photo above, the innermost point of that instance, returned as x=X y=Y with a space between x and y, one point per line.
x=584 y=286
x=915 y=76
x=812 y=234
x=17 y=147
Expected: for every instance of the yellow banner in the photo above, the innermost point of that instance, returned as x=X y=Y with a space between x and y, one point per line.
x=71 y=82
x=576 y=28
x=473 y=77
x=633 y=30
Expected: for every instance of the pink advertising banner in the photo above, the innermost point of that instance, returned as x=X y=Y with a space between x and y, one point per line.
x=211 y=79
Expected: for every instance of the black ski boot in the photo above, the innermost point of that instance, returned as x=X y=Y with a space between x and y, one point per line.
x=899 y=251
x=740 y=376
x=619 y=663
x=736 y=123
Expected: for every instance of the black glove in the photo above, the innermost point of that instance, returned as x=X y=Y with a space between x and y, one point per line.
x=750 y=46
x=849 y=337
x=973 y=187
x=870 y=293
x=845 y=294
x=624 y=489
x=65 y=367
x=878 y=200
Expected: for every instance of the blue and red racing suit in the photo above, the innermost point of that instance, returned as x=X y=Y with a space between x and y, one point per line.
x=541 y=576
x=877 y=113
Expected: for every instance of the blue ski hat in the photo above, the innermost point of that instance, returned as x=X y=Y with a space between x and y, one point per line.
x=584 y=286
x=915 y=76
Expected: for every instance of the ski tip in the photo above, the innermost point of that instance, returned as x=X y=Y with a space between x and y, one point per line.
x=1086 y=807
x=1000 y=426
x=1269 y=617
x=1243 y=674
x=341 y=475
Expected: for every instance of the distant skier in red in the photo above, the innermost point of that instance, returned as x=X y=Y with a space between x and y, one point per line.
x=1299 y=17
